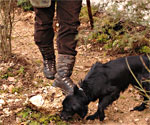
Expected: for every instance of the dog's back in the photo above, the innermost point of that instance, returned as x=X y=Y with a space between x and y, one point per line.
x=102 y=77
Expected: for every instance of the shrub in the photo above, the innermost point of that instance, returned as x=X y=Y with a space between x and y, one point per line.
x=25 y=5
x=124 y=27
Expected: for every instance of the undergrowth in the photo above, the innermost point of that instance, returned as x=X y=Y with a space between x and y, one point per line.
x=32 y=117
x=117 y=32
x=25 y=5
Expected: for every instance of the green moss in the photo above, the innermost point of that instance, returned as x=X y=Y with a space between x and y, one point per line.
x=13 y=71
x=145 y=49
x=4 y=76
x=44 y=119
x=38 y=62
x=8 y=73
x=37 y=118
x=17 y=89
x=21 y=70
x=25 y=5
x=122 y=97
x=36 y=115
x=34 y=123
x=24 y=113
x=62 y=123
x=3 y=91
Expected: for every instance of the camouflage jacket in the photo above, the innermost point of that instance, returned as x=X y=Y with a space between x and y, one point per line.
x=40 y=3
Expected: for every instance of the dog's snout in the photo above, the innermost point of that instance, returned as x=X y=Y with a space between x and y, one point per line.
x=62 y=116
x=65 y=116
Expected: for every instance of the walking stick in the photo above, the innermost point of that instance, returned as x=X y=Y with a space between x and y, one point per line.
x=90 y=13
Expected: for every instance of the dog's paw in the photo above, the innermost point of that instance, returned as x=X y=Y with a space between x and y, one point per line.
x=92 y=117
x=101 y=117
x=139 y=108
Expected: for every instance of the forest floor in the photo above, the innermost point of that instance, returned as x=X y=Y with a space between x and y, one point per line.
x=22 y=77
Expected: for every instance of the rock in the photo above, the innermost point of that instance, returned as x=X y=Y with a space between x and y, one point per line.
x=131 y=89
x=120 y=121
x=45 y=91
x=54 y=90
x=136 y=120
x=115 y=108
x=138 y=97
x=18 y=120
x=148 y=121
x=4 y=87
x=89 y=46
x=17 y=100
x=1 y=107
x=7 y=112
x=37 y=100
x=17 y=110
x=11 y=79
x=49 y=101
x=126 y=48
x=2 y=102
x=10 y=100
x=10 y=88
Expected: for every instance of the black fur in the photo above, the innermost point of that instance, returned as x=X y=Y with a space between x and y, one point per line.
x=105 y=82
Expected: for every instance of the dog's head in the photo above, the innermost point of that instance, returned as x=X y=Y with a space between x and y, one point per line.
x=73 y=104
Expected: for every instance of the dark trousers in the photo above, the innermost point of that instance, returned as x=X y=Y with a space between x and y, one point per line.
x=68 y=19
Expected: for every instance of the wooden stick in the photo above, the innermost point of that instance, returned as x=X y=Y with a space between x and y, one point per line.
x=90 y=13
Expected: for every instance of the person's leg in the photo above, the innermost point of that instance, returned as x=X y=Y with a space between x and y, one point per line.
x=68 y=18
x=43 y=37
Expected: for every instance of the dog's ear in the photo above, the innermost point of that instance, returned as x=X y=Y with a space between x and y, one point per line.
x=76 y=89
x=80 y=82
x=78 y=92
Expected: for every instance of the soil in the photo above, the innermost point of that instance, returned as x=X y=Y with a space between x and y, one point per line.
x=27 y=56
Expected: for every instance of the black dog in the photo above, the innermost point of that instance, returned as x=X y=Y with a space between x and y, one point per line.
x=105 y=82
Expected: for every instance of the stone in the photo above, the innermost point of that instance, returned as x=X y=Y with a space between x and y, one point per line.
x=37 y=100
x=11 y=79
x=2 y=102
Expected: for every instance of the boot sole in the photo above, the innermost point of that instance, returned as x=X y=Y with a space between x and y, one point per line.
x=51 y=78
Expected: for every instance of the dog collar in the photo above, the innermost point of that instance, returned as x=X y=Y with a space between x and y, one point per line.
x=80 y=89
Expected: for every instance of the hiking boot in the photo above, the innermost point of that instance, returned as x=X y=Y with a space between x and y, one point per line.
x=64 y=71
x=49 y=68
